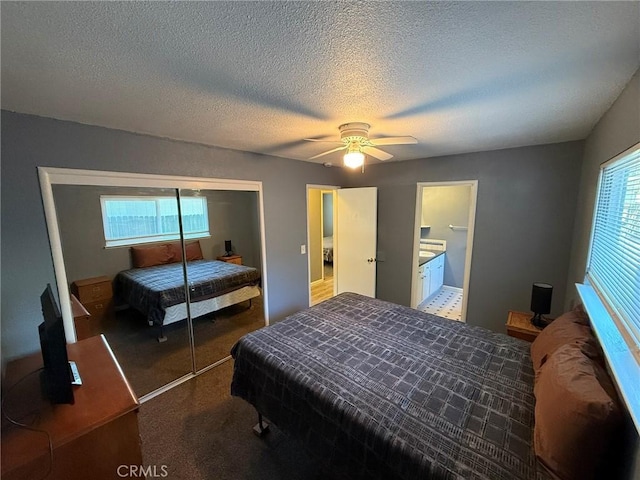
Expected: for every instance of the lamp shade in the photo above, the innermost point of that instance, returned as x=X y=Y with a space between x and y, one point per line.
x=541 y=298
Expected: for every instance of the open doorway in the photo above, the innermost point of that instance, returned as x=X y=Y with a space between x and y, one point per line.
x=321 y=242
x=445 y=219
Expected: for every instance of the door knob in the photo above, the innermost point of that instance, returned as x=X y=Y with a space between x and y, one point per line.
x=370 y=260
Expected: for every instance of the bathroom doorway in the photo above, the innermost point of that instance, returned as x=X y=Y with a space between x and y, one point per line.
x=445 y=220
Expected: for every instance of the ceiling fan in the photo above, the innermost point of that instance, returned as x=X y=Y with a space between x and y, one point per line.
x=354 y=138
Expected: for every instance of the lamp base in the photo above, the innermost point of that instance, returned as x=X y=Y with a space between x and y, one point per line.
x=538 y=321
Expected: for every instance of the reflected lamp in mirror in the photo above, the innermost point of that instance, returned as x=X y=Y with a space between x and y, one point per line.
x=540 y=303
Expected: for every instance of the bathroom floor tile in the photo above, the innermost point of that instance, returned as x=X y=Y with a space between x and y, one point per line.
x=447 y=302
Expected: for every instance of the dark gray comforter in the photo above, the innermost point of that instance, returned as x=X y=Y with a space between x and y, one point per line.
x=380 y=391
x=151 y=290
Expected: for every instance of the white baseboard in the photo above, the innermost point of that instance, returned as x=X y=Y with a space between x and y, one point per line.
x=455 y=289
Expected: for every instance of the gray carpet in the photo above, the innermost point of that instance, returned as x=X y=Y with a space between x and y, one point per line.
x=198 y=431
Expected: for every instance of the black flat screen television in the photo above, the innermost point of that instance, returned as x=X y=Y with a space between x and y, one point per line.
x=56 y=376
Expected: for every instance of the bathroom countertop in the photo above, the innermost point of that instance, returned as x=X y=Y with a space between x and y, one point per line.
x=423 y=260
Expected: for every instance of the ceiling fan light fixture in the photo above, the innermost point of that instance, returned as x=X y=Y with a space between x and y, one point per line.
x=353 y=159
x=354 y=138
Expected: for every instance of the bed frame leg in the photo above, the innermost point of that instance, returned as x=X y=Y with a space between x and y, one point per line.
x=161 y=337
x=261 y=428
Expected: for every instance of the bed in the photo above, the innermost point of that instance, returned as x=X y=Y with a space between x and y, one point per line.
x=376 y=390
x=158 y=291
x=327 y=249
x=382 y=391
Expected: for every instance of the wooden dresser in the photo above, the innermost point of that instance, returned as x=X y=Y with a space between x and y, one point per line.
x=90 y=439
x=96 y=296
x=237 y=259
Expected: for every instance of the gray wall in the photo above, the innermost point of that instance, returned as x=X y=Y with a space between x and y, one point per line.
x=443 y=206
x=617 y=130
x=29 y=141
x=524 y=222
x=232 y=215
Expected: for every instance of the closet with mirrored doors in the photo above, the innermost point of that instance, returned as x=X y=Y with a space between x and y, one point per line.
x=170 y=270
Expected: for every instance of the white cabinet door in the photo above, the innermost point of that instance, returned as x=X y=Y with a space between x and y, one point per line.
x=418 y=285
x=426 y=281
x=437 y=274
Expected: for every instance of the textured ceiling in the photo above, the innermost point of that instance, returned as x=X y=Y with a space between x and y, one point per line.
x=261 y=76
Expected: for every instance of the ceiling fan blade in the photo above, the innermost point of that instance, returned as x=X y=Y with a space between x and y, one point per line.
x=394 y=141
x=323 y=141
x=328 y=152
x=377 y=153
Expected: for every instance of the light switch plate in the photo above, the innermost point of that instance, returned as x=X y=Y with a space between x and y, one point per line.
x=303 y=249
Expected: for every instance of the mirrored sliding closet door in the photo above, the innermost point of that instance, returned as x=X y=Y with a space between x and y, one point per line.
x=222 y=246
x=170 y=270
x=121 y=270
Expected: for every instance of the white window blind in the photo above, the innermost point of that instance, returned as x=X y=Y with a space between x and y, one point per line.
x=133 y=220
x=614 y=260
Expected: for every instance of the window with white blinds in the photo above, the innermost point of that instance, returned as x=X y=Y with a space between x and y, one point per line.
x=131 y=220
x=614 y=261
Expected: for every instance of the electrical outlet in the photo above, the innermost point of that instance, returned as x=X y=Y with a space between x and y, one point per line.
x=303 y=249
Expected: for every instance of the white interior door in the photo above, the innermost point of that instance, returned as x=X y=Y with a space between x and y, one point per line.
x=355 y=240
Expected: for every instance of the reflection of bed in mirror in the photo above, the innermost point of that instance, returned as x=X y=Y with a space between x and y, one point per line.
x=155 y=288
x=327 y=249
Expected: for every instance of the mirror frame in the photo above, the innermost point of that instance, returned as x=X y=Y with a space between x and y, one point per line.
x=49 y=176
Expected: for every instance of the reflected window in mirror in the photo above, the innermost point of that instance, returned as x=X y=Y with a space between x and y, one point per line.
x=132 y=220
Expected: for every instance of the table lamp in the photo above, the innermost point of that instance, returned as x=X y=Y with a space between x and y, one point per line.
x=540 y=303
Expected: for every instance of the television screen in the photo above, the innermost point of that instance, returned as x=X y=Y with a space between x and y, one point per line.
x=56 y=377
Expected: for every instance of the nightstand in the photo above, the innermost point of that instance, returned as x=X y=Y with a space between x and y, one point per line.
x=237 y=259
x=96 y=296
x=519 y=326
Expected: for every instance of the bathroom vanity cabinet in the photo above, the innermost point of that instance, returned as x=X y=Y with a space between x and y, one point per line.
x=430 y=277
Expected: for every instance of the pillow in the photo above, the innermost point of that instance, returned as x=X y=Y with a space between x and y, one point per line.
x=576 y=414
x=149 y=256
x=176 y=251
x=578 y=315
x=570 y=328
x=192 y=250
